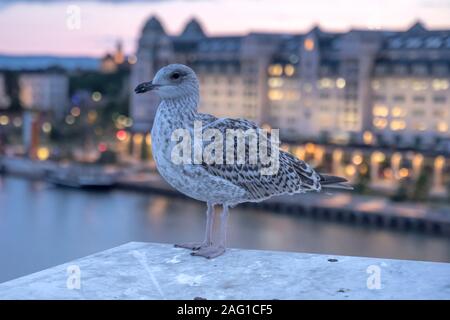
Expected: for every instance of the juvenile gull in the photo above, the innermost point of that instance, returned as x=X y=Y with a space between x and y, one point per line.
x=217 y=184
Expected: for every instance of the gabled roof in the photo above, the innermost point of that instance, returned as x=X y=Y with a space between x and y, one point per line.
x=193 y=29
x=153 y=25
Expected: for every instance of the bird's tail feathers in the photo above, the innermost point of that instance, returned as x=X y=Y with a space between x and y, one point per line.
x=342 y=186
x=334 y=182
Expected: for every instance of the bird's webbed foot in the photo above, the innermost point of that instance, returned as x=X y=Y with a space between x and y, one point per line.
x=193 y=245
x=209 y=252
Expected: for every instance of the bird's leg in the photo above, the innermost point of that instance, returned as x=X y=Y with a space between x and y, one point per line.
x=215 y=251
x=207 y=242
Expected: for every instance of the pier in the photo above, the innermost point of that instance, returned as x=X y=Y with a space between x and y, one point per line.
x=342 y=207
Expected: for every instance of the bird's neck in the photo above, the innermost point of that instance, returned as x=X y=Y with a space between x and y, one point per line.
x=181 y=107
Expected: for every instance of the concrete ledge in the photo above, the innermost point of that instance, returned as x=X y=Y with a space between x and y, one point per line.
x=160 y=271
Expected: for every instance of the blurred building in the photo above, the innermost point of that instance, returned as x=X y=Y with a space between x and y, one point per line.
x=4 y=98
x=44 y=91
x=318 y=85
x=111 y=62
x=41 y=93
x=410 y=87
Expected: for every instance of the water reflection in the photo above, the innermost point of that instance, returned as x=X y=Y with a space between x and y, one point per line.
x=41 y=226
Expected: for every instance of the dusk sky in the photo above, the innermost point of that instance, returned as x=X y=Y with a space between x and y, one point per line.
x=40 y=27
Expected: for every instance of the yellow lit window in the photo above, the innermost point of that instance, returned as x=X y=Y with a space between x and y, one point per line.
x=275 y=95
x=357 y=159
x=442 y=127
x=403 y=172
x=440 y=84
x=4 y=120
x=309 y=44
x=368 y=137
x=380 y=111
x=378 y=156
x=275 y=70
x=340 y=83
x=43 y=153
x=398 y=112
x=380 y=123
x=398 y=125
x=275 y=82
x=289 y=70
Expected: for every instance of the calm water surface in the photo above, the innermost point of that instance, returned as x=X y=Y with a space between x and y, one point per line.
x=42 y=225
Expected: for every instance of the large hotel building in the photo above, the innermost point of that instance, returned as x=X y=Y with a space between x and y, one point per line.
x=389 y=85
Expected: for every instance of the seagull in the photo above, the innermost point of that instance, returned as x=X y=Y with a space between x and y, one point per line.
x=217 y=184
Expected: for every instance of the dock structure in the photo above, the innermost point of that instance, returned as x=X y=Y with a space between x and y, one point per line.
x=349 y=208
x=139 y=270
x=341 y=207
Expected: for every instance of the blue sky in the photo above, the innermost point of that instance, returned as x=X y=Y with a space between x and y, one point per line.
x=39 y=27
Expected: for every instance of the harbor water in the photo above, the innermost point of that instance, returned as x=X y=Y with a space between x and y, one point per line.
x=42 y=225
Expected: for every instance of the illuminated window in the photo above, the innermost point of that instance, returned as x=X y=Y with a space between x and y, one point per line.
x=357 y=159
x=398 y=125
x=275 y=82
x=368 y=137
x=378 y=156
x=275 y=70
x=398 y=112
x=442 y=126
x=309 y=44
x=43 y=153
x=403 y=172
x=380 y=111
x=340 y=83
x=380 y=123
x=419 y=85
x=4 y=120
x=275 y=95
x=440 y=84
x=289 y=70
x=326 y=83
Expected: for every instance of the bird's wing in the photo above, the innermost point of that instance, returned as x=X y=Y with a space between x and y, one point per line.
x=293 y=175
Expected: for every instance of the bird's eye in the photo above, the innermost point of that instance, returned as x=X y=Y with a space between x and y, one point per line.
x=175 y=75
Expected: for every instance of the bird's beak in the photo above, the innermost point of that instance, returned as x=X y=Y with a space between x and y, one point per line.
x=145 y=86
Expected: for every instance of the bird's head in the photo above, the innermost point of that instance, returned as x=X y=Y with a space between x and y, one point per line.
x=172 y=81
